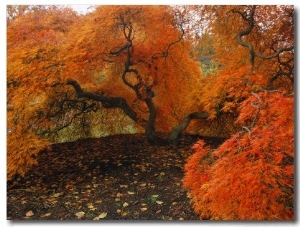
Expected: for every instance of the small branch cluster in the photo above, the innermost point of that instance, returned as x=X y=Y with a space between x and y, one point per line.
x=248 y=16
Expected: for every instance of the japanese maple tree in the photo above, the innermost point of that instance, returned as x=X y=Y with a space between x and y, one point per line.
x=131 y=61
x=33 y=70
x=251 y=175
x=158 y=68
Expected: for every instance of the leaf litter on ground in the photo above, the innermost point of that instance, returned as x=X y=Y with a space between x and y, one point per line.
x=88 y=181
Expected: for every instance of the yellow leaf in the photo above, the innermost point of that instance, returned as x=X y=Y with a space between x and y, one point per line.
x=102 y=215
x=56 y=195
x=46 y=215
x=29 y=213
x=80 y=214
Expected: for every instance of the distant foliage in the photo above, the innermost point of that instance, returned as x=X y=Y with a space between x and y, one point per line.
x=251 y=175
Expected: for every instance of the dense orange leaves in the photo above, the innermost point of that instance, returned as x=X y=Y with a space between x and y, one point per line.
x=251 y=176
x=48 y=45
x=159 y=64
x=158 y=54
x=33 y=67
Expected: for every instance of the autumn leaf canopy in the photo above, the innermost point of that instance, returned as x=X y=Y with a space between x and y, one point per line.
x=220 y=71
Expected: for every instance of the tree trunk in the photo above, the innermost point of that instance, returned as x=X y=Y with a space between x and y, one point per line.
x=150 y=127
x=173 y=136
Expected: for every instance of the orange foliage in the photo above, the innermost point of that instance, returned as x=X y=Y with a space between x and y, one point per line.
x=33 y=68
x=47 y=45
x=251 y=177
x=168 y=69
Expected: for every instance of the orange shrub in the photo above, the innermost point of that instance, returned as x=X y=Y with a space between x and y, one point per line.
x=251 y=175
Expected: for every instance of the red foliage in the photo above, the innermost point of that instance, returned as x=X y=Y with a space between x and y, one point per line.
x=252 y=175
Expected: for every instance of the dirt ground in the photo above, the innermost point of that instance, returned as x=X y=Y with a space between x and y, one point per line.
x=118 y=177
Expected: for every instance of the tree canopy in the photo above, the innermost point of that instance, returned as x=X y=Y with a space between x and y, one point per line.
x=125 y=69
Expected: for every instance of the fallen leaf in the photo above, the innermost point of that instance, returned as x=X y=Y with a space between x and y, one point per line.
x=189 y=195
x=119 y=194
x=155 y=196
x=144 y=209
x=102 y=215
x=29 y=213
x=143 y=185
x=56 y=195
x=119 y=211
x=125 y=204
x=159 y=202
x=130 y=193
x=80 y=214
x=90 y=205
x=46 y=215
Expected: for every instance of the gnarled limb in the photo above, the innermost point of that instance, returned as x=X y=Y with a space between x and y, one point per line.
x=251 y=23
x=178 y=129
x=118 y=102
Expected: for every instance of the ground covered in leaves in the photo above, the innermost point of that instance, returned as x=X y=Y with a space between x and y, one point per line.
x=118 y=177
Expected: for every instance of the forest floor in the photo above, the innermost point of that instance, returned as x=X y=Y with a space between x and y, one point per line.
x=118 y=177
